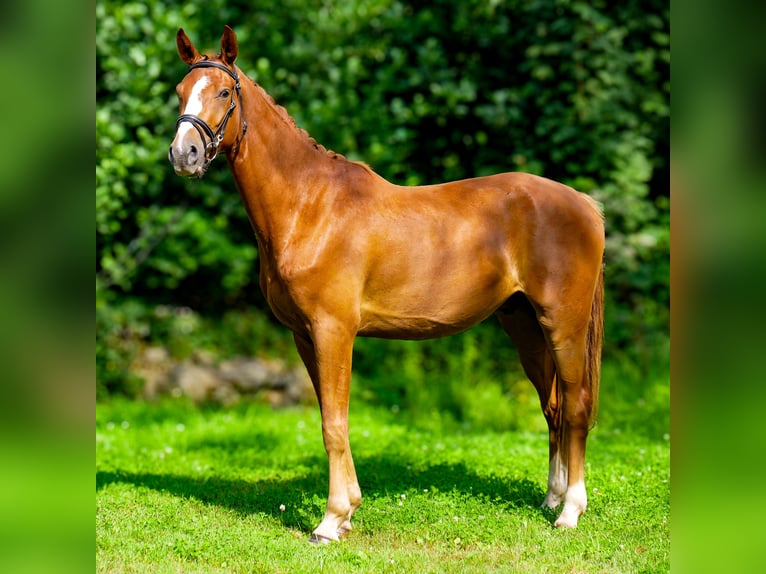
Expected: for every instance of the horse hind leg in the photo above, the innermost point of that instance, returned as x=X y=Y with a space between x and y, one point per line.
x=519 y=321
x=567 y=337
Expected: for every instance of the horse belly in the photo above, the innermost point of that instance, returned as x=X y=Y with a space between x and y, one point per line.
x=451 y=278
x=431 y=313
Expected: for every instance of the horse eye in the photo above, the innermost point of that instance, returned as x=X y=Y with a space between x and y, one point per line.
x=224 y=94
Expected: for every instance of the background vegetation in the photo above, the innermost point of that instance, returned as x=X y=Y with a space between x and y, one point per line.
x=423 y=92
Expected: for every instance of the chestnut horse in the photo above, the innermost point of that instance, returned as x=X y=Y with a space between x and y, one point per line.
x=345 y=253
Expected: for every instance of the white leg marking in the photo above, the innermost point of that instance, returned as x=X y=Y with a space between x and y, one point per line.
x=194 y=105
x=557 y=482
x=574 y=505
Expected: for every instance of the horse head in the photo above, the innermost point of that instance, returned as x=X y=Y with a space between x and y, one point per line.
x=209 y=96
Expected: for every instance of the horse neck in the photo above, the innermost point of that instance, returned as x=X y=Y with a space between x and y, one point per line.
x=276 y=168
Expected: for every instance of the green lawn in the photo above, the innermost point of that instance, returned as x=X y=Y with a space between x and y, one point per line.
x=184 y=489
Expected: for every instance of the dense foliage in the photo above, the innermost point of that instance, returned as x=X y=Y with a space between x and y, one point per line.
x=423 y=92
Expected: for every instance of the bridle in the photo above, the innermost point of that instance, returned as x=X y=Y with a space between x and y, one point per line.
x=203 y=129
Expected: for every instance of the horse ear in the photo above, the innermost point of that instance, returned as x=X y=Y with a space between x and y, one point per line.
x=186 y=49
x=229 y=48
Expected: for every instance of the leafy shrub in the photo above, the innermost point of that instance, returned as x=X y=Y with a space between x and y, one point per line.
x=576 y=91
x=119 y=331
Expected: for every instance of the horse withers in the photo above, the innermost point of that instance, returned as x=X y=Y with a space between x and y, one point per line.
x=345 y=253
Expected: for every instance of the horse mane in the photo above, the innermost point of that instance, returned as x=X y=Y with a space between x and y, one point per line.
x=290 y=121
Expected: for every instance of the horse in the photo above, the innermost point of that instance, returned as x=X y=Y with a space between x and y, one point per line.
x=344 y=253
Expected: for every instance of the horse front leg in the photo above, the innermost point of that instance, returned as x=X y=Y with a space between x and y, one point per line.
x=327 y=355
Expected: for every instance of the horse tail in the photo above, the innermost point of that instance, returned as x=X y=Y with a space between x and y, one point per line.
x=594 y=343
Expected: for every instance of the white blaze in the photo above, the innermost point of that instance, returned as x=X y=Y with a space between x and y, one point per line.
x=194 y=105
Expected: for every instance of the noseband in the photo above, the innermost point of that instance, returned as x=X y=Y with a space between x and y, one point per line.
x=203 y=129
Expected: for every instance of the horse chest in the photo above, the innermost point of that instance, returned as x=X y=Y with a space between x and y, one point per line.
x=278 y=295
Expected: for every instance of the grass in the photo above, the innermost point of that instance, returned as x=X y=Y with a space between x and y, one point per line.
x=187 y=489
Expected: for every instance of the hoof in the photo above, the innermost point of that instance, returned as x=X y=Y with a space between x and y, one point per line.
x=319 y=539
x=564 y=525
x=568 y=518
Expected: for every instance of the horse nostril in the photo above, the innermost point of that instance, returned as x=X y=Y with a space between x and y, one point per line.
x=170 y=153
x=193 y=152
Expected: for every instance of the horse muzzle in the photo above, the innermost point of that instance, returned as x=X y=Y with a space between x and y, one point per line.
x=188 y=157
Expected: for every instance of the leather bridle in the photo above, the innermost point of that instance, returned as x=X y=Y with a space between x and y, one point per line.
x=203 y=129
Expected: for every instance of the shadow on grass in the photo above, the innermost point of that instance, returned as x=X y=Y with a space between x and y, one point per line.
x=305 y=495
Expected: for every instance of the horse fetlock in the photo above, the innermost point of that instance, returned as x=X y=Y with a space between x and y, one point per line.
x=552 y=500
x=354 y=498
x=332 y=528
x=327 y=531
x=324 y=533
x=575 y=503
x=345 y=528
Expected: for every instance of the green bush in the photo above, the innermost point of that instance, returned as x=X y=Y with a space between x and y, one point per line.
x=119 y=332
x=577 y=91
